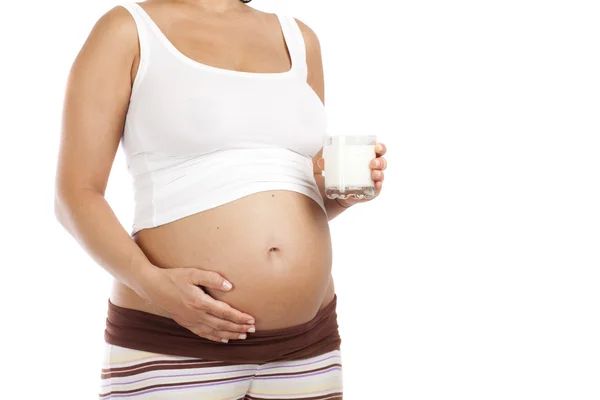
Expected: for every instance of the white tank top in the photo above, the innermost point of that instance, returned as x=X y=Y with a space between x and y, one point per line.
x=197 y=136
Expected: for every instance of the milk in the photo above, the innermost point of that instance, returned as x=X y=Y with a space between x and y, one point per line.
x=347 y=166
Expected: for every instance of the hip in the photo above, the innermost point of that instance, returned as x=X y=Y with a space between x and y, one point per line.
x=272 y=305
x=129 y=373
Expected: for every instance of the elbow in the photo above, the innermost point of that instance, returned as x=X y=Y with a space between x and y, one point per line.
x=71 y=203
x=60 y=207
x=64 y=202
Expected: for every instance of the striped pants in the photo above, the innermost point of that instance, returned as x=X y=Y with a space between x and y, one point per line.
x=135 y=374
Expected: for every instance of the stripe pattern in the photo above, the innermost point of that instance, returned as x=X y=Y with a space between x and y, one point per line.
x=141 y=375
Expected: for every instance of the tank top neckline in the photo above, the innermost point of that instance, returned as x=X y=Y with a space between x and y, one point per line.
x=196 y=137
x=189 y=61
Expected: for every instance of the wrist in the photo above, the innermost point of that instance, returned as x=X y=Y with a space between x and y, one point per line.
x=144 y=276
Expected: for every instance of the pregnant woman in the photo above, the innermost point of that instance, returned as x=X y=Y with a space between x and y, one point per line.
x=223 y=289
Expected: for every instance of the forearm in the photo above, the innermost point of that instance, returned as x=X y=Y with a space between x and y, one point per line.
x=333 y=207
x=87 y=216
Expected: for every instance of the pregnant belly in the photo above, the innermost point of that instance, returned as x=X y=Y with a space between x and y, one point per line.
x=274 y=247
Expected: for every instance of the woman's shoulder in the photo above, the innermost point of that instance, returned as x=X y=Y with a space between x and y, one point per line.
x=111 y=45
x=311 y=40
x=116 y=27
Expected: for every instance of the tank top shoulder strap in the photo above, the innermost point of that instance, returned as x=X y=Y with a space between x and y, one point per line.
x=138 y=15
x=295 y=43
x=145 y=36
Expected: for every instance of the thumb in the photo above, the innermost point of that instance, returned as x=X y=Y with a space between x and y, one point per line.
x=321 y=163
x=209 y=279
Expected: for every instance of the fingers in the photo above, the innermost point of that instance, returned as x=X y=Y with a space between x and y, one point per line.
x=224 y=311
x=213 y=338
x=377 y=175
x=223 y=325
x=220 y=330
x=216 y=335
x=321 y=163
x=209 y=279
x=216 y=322
x=379 y=163
x=380 y=149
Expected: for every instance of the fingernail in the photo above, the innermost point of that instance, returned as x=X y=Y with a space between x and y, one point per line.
x=250 y=322
x=378 y=174
x=243 y=336
x=227 y=285
x=251 y=330
x=225 y=340
x=377 y=163
x=379 y=147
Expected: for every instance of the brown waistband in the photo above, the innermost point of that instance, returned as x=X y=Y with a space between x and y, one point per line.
x=144 y=331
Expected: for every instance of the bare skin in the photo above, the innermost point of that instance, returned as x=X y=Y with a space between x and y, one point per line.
x=273 y=247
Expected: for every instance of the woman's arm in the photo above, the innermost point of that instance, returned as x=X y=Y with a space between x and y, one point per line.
x=96 y=101
x=95 y=106
x=317 y=83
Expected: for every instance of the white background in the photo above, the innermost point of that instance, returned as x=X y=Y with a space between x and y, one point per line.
x=474 y=276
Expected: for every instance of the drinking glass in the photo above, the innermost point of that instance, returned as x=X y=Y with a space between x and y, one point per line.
x=347 y=166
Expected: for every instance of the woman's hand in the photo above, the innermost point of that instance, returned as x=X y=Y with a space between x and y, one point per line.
x=176 y=291
x=378 y=165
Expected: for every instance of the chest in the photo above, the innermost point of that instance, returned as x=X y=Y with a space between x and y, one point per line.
x=239 y=48
x=201 y=113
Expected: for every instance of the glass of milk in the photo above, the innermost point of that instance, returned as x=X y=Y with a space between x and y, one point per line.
x=347 y=166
